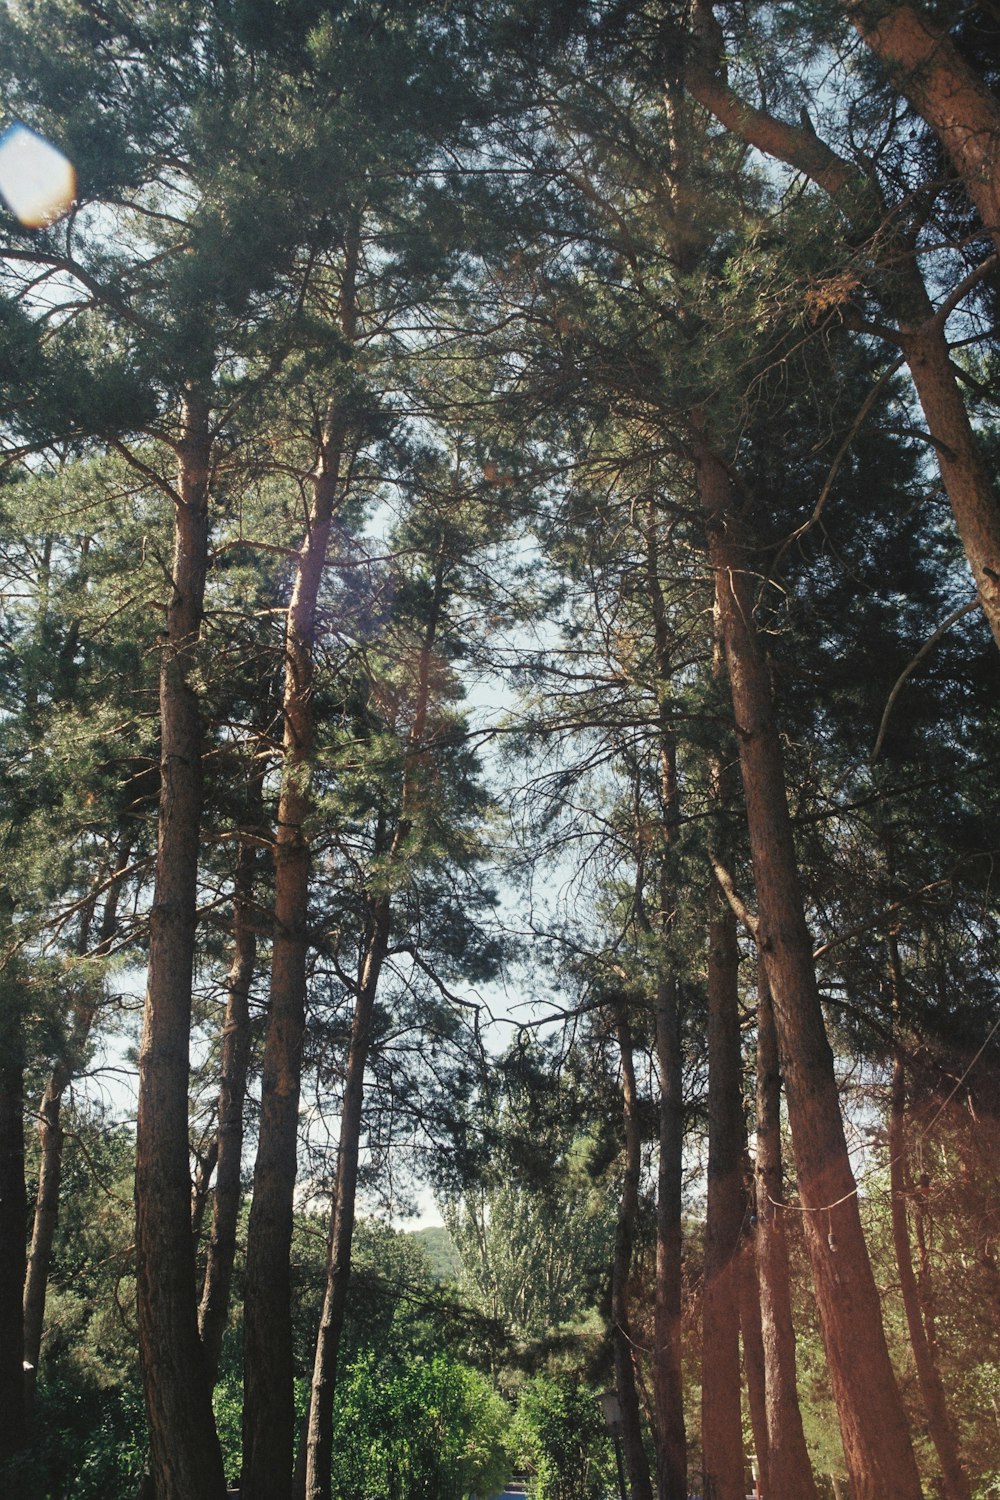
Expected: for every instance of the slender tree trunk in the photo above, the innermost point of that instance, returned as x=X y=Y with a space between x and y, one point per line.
x=319 y=1442
x=922 y=335
x=50 y=1149
x=751 y=1330
x=621 y=1334
x=213 y=1314
x=721 y=1420
x=873 y=1423
x=320 y=1434
x=926 y=66
x=268 y=1411
x=789 y=1472
x=268 y=1407
x=967 y=481
x=668 y=1383
x=13 y=1218
x=939 y=1422
x=51 y=1137
x=185 y=1456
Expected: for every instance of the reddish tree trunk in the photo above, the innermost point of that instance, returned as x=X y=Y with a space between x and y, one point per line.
x=751 y=1330
x=926 y=66
x=789 y=1472
x=268 y=1407
x=185 y=1457
x=721 y=1420
x=939 y=1422
x=922 y=336
x=873 y=1424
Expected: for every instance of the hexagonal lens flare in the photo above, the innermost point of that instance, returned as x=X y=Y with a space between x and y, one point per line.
x=37 y=182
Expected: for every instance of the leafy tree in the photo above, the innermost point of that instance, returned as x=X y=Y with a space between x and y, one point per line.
x=429 y=1426
x=558 y=1435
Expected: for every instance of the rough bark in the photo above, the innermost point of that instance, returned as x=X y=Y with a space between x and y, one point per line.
x=186 y=1463
x=921 y=332
x=51 y=1135
x=13 y=1221
x=789 y=1471
x=926 y=66
x=268 y=1407
x=621 y=1334
x=873 y=1424
x=940 y=1426
x=213 y=1313
x=721 y=1421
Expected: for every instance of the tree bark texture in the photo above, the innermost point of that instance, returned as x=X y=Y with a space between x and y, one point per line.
x=268 y=1414
x=268 y=1407
x=51 y=1135
x=926 y=66
x=621 y=1333
x=789 y=1470
x=939 y=1421
x=721 y=1419
x=213 y=1313
x=186 y=1463
x=921 y=333
x=873 y=1423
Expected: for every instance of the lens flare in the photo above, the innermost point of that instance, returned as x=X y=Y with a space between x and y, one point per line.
x=37 y=182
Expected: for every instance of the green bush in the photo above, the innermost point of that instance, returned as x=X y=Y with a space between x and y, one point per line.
x=426 y=1427
x=558 y=1435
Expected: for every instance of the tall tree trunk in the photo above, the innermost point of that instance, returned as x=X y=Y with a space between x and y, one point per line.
x=939 y=1422
x=319 y=1457
x=213 y=1313
x=319 y=1440
x=185 y=1456
x=926 y=66
x=51 y=1136
x=752 y=1333
x=268 y=1407
x=922 y=337
x=668 y=1383
x=873 y=1424
x=13 y=1216
x=721 y=1418
x=789 y=1472
x=621 y=1267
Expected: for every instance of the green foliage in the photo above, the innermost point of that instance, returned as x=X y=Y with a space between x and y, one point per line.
x=406 y=1431
x=558 y=1434
x=534 y=1233
x=90 y=1442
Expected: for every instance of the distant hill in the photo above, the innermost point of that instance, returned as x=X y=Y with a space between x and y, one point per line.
x=439 y=1247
